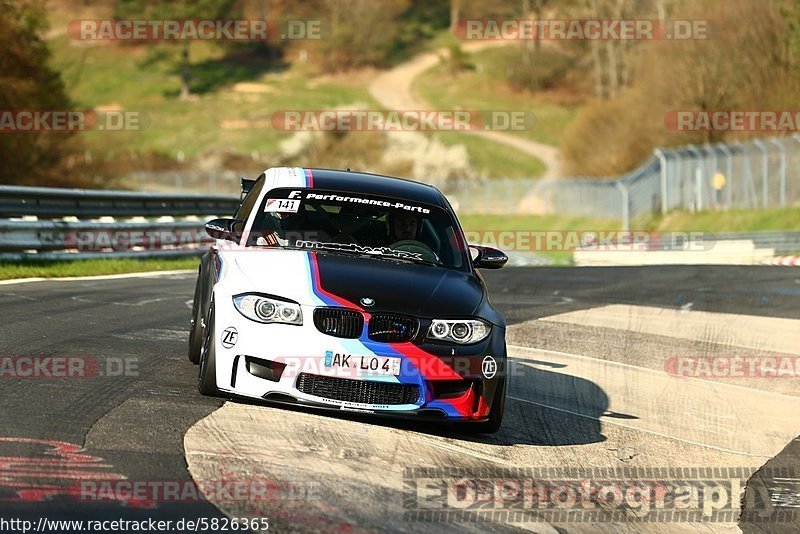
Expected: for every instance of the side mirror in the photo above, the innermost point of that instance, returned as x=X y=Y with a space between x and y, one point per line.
x=247 y=186
x=227 y=229
x=488 y=258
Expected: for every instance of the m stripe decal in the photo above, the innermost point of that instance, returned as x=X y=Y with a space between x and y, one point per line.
x=427 y=365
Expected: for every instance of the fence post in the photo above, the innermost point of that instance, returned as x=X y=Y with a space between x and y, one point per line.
x=626 y=217
x=729 y=174
x=764 y=171
x=698 y=178
x=714 y=170
x=663 y=159
x=749 y=186
x=796 y=137
x=679 y=174
x=782 y=149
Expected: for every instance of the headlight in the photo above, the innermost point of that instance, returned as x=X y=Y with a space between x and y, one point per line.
x=462 y=331
x=264 y=309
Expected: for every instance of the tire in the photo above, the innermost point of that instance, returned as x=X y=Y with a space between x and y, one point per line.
x=495 y=420
x=196 y=323
x=207 y=376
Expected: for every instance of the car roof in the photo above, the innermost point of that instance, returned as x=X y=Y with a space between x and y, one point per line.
x=369 y=184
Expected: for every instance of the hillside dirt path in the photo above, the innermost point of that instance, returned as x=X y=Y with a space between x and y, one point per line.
x=392 y=89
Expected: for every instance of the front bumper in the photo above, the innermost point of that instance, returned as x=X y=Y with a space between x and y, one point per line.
x=277 y=362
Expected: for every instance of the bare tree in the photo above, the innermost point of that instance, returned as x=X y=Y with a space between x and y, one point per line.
x=455 y=15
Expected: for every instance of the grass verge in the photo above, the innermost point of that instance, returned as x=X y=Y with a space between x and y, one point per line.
x=781 y=219
x=484 y=89
x=731 y=221
x=494 y=160
x=778 y=219
x=231 y=107
x=93 y=267
x=490 y=226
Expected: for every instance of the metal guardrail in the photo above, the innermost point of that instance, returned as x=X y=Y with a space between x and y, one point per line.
x=781 y=242
x=19 y=201
x=51 y=223
x=97 y=236
x=72 y=223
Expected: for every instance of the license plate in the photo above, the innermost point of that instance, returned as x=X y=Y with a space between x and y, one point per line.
x=363 y=365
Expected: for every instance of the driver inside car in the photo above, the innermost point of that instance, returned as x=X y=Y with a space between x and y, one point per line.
x=404 y=227
x=405 y=231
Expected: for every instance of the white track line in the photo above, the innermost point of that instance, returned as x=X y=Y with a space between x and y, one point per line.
x=143 y=274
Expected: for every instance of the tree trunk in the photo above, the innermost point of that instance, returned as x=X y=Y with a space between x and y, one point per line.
x=597 y=60
x=527 y=56
x=185 y=72
x=613 y=68
x=455 y=15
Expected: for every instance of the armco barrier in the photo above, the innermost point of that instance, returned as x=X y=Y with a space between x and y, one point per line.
x=44 y=202
x=51 y=223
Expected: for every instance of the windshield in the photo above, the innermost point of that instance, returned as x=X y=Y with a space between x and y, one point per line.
x=349 y=223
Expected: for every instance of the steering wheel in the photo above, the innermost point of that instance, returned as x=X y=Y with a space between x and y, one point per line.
x=416 y=247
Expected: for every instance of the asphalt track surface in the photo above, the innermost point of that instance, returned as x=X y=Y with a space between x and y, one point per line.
x=589 y=390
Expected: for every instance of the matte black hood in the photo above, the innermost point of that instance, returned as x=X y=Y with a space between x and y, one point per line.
x=400 y=287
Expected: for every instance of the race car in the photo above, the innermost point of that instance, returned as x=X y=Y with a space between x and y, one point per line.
x=352 y=292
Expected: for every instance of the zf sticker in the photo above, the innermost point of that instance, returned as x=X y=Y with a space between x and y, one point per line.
x=281 y=205
x=229 y=337
x=489 y=367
